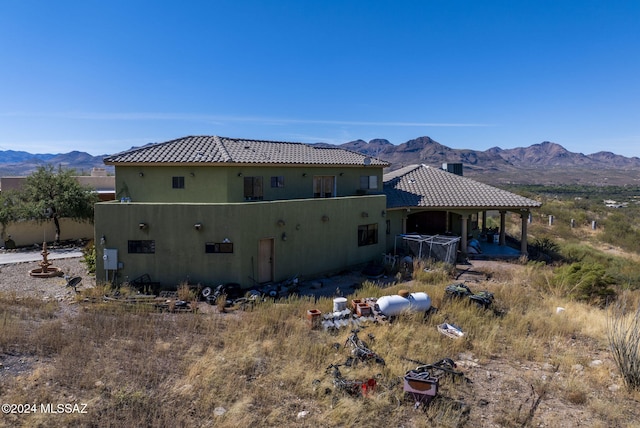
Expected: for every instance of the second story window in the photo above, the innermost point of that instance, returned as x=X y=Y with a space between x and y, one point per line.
x=178 y=182
x=253 y=189
x=324 y=186
x=368 y=182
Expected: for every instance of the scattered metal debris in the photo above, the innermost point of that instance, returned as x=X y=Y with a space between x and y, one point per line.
x=351 y=387
x=360 y=350
x=422 y=382
x=451 y=330
x=460 y=290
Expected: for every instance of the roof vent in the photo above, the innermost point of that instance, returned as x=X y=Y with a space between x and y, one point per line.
x=454 y=168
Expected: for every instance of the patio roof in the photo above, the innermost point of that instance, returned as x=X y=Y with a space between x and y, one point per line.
x=431 y=187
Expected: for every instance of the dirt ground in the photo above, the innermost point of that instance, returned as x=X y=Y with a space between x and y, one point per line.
x=493 y=381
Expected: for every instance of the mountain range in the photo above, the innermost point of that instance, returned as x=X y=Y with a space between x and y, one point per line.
x=20 y=163
x=544 y=163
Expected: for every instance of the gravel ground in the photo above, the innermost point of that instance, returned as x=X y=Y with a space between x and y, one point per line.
x=15 y=278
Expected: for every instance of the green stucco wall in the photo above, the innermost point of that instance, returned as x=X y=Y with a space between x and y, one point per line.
x=226 y=183
x=313 y=245
x=396 y=221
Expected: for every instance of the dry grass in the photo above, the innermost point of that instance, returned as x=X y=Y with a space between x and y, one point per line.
x=529 y=364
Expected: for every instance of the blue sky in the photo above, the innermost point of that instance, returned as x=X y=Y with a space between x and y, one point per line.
x=103 y=76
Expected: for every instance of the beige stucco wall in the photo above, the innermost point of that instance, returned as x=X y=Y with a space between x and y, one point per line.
x=26 y=233
x=100 y=183
x=313 y=245
x=11 y=183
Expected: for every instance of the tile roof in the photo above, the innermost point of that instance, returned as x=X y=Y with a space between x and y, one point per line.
x=424 y=186
x=214 y=149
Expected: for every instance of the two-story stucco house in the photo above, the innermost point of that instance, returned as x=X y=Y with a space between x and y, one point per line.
x=208 y=209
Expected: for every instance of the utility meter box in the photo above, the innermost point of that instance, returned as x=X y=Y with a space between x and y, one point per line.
x=110 y=259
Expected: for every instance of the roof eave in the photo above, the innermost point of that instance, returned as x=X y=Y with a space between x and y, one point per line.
x=467 y=208
x=243 y=164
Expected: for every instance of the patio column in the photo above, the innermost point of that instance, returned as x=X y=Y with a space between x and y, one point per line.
x=502 y=225
x=523 y=235
x=463 y=240
x=404 y=222
x=484 y=222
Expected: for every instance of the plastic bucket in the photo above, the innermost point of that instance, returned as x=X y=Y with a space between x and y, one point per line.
x=339 y=304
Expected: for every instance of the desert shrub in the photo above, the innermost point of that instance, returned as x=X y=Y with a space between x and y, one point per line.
x=186 y=293
x=432 y=272
x=578 y=252
x=623 y=333
x=546 y=245
x=621 y=270
x=544 y=248
x=584 y=281
x=89 y=257
x=619 y=230
x=580 y=213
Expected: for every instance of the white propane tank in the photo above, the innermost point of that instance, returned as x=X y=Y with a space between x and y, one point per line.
x=395 y=305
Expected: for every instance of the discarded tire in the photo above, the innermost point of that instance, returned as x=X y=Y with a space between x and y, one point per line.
x=206 y=292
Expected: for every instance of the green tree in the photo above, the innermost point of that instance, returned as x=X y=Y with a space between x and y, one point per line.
x=8 y=210
x=48 y=194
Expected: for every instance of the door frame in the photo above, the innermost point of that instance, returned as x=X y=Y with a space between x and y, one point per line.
x=266 y=259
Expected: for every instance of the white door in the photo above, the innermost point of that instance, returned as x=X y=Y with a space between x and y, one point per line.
x=265 y=260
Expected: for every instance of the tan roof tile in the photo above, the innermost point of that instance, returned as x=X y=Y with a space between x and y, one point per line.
x=214 y=149
x=424 y=186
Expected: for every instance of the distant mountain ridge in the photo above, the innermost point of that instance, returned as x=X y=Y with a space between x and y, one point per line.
x=542 y=154
x=542 y=163
x=20 y=163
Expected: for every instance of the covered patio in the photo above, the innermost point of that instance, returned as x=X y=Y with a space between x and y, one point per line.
x=428 y=200
x=492 y=250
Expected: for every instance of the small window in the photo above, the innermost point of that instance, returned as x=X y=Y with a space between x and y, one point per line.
x=367 y=234
x=253 y=189
x=142 y=247
x=178 y=182
x=368 y=181
x=277 y=181
x=388 y=227
x=218 y=247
